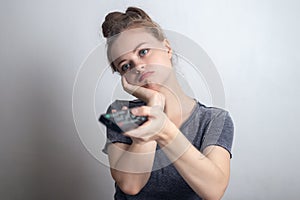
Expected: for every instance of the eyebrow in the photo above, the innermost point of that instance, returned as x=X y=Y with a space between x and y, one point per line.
x=134 y=50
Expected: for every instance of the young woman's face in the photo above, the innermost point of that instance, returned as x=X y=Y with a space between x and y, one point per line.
x=141 y=58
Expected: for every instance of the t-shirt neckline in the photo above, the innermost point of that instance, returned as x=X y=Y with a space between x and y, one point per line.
x=187 y=121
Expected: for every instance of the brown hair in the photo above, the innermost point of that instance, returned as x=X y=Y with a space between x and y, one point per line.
x=116 y=22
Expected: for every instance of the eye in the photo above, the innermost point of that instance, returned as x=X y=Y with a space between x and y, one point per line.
x=143 y=52
x=125 y=67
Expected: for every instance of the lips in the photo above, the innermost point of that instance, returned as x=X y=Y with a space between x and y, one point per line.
x=145 y=75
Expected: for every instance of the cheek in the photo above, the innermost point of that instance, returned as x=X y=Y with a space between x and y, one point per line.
x=131 y=79
x=162 y=59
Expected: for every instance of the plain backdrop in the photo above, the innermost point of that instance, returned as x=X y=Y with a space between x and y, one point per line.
x=253 y=43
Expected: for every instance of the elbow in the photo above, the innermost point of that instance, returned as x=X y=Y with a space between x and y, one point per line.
x=216 y=196
x=217 y=193
x=130 y=189
x=130 y=184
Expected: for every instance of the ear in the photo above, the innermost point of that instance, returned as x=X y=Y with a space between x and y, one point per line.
x=168 y=47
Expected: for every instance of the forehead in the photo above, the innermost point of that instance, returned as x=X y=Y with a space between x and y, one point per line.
x=128 y=40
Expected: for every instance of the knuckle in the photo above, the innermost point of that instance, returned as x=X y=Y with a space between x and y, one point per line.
x=143 y=109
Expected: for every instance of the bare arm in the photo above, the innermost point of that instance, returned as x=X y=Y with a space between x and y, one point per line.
x=207 y=174
x=131 y=165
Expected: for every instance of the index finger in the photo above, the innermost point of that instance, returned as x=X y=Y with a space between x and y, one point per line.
x=128 y=87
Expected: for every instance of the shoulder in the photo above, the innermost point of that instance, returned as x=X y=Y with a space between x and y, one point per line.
x=211 y=109
x=214 y=118
x=218 y=128
x=211 y=112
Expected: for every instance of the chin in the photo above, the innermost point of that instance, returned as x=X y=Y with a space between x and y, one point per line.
x=152 y=86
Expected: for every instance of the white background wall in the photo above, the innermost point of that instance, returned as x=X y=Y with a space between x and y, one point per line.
x=254 y=45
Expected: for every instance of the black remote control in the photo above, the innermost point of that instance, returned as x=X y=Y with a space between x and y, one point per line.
x=122 y=121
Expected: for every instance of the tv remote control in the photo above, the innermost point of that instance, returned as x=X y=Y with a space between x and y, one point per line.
x=122 y=121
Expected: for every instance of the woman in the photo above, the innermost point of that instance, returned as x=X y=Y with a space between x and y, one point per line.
x=183 y=151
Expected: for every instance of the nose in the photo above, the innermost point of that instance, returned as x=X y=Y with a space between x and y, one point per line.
x=139 y=66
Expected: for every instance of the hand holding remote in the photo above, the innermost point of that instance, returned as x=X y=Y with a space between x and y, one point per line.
x=122 y=121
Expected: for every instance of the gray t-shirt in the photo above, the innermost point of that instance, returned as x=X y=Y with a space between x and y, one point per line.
x=205 y=126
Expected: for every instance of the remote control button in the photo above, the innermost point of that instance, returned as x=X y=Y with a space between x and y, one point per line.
x=143 y=118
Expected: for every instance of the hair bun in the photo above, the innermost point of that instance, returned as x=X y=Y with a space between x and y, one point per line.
x=110 y=20
x=137 y=13
x=115 y=22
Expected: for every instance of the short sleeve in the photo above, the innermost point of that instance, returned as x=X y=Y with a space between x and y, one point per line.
x=219 y=131
x=113 y=136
